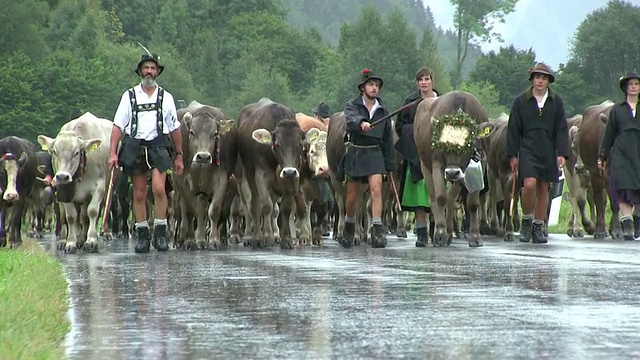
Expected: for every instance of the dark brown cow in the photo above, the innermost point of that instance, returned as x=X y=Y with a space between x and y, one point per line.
x=335 y=152
x=589 y=137
x=271 y=147
x=438 y=166
x=18 y=171
x=210 y=151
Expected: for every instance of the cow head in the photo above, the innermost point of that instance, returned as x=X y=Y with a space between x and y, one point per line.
x=204 y=135
x=317 y=152
x=456 y=141
x=575 y=148
x=68 y=155
x=287 y=142
x=10 y=166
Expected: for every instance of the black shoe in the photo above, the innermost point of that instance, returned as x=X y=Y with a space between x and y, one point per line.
x=628 y=229
x=423 y=236
x=144 y=239
x=537 y=233
x=378 y=240
x=349 y=234
x=160 y=237
x=636 y=226
x=525 y=230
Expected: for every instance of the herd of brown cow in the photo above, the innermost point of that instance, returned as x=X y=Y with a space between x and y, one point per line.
x=270 y=177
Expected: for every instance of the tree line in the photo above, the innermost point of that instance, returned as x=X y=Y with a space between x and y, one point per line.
x=61 y=56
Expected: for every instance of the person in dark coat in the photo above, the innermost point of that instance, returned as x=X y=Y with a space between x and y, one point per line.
x=413 y=192
x=369 y=155
x=537 y=148
x=620 y=148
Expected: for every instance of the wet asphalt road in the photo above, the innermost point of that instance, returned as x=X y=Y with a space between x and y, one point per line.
x=569 y=299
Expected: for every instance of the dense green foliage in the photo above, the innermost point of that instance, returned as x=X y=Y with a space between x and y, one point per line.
x=64 y=55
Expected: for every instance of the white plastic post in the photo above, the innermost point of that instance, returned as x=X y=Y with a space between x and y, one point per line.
x=556 y=203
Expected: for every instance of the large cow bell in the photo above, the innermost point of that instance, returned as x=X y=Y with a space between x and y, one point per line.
x=473 y=176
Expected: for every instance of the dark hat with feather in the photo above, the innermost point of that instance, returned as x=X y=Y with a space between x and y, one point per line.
x=149 y=57
x=544 y=69
x=366 y=76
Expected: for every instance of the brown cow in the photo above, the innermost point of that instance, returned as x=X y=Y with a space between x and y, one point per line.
x=589 y=138
x=438 y=165
x=271 y=147
x=583 y=182
x=210 y=151
x=335 y=152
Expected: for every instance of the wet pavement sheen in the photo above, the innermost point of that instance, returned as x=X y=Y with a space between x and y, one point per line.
x=569 y=299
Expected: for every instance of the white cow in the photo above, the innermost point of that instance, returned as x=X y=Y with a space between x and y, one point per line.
x=79 y=154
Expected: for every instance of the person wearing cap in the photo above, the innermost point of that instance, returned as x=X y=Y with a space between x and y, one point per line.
x=413 y=192
x=369 y=155
x=537 y=147
x=322 y=112
x=620 y=149
x=146 y=122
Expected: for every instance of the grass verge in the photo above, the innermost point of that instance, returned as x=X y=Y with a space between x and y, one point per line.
x=33 y=304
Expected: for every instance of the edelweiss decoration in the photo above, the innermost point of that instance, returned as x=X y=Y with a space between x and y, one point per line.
x=454 y=133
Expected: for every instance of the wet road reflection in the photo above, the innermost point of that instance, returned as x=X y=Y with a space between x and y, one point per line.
x=570 y=299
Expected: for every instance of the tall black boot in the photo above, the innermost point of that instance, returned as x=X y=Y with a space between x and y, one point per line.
x=627 y=229
x=636 y=226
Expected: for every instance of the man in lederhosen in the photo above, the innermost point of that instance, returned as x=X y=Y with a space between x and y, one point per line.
x=148 y=118
x=369 y=155
x=537 y=147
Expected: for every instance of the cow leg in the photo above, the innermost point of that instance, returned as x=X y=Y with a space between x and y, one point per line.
x=340 y=199
x=202 y=206
x=92 y=211
x=71 y=216
x=274 y=221
x=615 y=226
x=600 y=200
x=494 y=218
x=507 y=185
x=473 y=206
x=17 y=213
x=215 y=209
x=578 y=202
x=236 y=214
x=261 y=208
x=438 y=192
x=451 y=212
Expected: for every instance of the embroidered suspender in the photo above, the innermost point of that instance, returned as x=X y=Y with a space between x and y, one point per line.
x=136 y=108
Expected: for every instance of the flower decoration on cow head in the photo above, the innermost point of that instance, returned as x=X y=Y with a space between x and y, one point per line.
x=454 y=134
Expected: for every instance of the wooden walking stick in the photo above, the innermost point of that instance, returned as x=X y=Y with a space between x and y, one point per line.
x=107 y=204
x=513 y=193
x=395 y=191
x=395 y=112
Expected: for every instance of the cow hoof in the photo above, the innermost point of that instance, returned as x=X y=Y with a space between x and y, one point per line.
x=407 y=227
x=401 y=233
x=616 y=233
x=286 y=243
x=189 y=245
x=15 y=244
x=215 y=245
x=599 y=235
x=578 y=233
x=70 y=248
x=90 y=247
x=589 y=227
x=303 y=241
x=235 y=239
x=475 y=243
x=440 y=239
x=485 y=229
x=107 y=237
x=500 y=233
x=201 y=244
x=509 y=237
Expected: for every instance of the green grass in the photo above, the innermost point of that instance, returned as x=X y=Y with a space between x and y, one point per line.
x=33 y=304
x=565 y=214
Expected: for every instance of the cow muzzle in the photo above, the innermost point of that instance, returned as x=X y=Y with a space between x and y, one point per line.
x=322 y=171
x=10 y=196
x=61 y=178
x=202 y=157
x=580 y=169
x=289 y=173
x=453 y=173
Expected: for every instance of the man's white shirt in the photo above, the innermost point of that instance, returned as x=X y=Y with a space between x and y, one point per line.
x=146 y=119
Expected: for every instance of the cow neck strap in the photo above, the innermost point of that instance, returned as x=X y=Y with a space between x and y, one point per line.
x=216 y=149
x=82 y=165
x=136 y=108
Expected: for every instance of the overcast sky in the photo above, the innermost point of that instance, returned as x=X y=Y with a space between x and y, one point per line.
x=547 y=26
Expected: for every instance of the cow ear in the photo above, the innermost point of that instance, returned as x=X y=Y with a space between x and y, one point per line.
x=485 y=129
x=23 y=159
x=41 y=169
x=45 y=142
x=312 y=135
x=224 y=126
x=262 y=136
x=92 y=144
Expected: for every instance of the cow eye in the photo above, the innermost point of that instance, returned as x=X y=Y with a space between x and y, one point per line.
x=76 y=153
x=191 y=133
